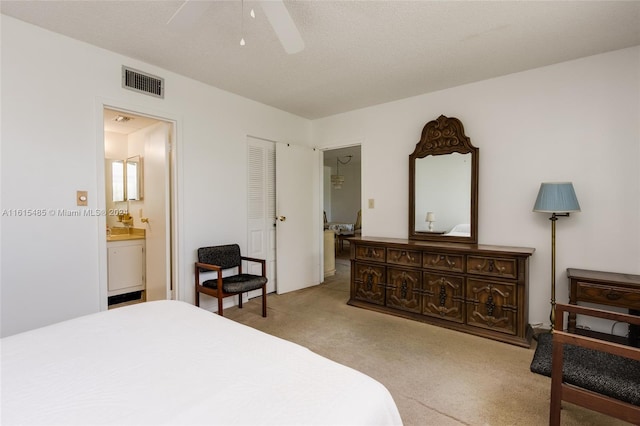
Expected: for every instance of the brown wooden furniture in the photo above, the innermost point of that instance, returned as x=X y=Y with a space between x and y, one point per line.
x=340 y=239
x=605 y=288
x=561 y=391
x=477 y=289
x=439 y=184
x=228 y=257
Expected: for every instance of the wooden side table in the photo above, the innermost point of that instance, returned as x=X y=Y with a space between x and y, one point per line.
x=605 y=288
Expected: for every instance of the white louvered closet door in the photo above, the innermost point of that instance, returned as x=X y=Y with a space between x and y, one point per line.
x=261 y=230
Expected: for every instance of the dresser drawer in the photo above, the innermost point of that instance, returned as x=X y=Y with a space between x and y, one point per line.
x=609 y=295
x=443 y=296
x=492 y=305
x=492 y=266
x=403 y=288
x=443 y=261
x=369 y=283
x=404 y=257
x=370 y=253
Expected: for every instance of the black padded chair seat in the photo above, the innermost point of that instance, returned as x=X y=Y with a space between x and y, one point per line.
x=238 y=283
x=597 y=371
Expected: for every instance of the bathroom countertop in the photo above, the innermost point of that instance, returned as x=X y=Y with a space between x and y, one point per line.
x=126 y=234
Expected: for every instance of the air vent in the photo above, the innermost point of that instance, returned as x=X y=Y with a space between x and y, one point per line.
x=141 y=82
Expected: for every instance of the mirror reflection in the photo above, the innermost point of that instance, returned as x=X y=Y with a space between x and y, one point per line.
x=443 y=194
x=117 y=180
x=134 y=178
x=443 y=184
x=126 y=179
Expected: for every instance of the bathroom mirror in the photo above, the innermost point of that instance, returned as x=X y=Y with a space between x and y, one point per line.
x=134 y=178
x=126 y=179
x=443 y=184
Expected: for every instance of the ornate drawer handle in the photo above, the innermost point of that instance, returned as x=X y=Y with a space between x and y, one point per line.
x=371 y=252
x=613 y=296
x=492 y=267
x=438 y=258
x=406 y=254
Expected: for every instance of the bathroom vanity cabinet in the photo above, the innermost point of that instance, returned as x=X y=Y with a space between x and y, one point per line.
x=126 y=266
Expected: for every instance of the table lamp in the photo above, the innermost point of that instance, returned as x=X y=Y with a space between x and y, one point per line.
x=431 y=217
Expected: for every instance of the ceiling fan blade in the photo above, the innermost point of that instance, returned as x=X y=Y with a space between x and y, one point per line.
x=188 y=13
x=283 y=25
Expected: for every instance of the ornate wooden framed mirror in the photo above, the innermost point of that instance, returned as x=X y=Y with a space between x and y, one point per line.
x=443 y=184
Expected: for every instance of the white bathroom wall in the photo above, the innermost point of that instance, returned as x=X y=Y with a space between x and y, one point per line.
x=575 y=121
x=53 y=89
x=116 y=146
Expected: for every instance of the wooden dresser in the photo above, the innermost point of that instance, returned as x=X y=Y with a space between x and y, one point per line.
x=477 y=289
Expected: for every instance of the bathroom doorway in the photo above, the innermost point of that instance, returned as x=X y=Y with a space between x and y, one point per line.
x=138 y=199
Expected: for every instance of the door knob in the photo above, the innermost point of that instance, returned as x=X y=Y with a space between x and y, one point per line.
x=281 y=218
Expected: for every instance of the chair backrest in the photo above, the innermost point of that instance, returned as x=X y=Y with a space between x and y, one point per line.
x=358 y=224
x=226 y=256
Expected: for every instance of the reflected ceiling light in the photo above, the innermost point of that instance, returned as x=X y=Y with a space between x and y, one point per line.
x=242 y=43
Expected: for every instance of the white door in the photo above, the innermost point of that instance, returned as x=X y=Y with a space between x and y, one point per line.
x=155 y=208
x=261 y=231
x=298 y=212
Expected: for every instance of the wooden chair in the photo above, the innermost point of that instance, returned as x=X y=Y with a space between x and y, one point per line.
x=581 y=395
x=222 y=258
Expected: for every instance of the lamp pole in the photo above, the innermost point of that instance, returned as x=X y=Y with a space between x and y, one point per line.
x=552 y=316
x=554 y=219
x=555 y=197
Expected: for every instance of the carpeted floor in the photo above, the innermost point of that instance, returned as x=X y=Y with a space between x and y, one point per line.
x=436 y=376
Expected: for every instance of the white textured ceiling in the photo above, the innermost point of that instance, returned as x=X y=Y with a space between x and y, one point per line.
x=358 y=53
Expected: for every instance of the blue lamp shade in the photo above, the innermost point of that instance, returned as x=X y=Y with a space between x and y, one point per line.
x=556 y=197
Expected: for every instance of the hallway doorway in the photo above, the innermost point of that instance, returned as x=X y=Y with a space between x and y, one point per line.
x=342 y=195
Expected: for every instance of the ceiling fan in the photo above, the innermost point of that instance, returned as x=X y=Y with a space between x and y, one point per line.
x=275 y=11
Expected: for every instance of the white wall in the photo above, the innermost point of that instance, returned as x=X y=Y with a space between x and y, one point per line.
x=576 y=121
x=345 y=202
x=53 y=89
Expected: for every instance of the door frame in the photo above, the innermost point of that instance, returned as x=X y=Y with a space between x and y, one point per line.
x=339 y=145
x=173 y=192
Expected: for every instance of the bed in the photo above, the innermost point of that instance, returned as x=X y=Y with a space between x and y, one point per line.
x=460 y=230
x=168 y=362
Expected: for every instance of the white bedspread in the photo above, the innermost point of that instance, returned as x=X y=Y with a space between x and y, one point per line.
x=171 y=363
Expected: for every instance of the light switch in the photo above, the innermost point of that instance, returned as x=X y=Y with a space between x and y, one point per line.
x=81 y=198
x=371 y=203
